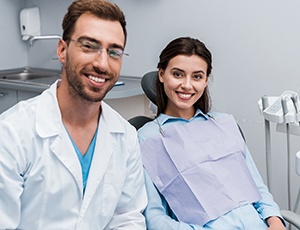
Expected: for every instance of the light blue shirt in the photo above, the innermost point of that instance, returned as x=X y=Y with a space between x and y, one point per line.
x=159 y=215
x=86 y=159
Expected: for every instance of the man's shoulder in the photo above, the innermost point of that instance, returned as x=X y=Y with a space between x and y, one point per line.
x=26 y=109
x=21 y=110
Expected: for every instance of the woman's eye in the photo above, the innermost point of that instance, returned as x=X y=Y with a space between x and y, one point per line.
x=198 y=76
x=177 y=74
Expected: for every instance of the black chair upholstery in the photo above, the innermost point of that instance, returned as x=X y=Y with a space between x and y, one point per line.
x=148 y=86
x=139 y=121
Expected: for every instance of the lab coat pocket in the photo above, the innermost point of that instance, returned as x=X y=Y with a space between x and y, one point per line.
x=112 y=189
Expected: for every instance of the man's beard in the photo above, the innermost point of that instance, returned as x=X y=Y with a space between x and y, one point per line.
x=77 y=88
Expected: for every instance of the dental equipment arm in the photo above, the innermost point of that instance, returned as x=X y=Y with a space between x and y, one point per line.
x=265 y=105
x=285 y=112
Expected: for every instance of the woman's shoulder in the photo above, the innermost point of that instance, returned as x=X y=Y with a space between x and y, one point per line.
x=221 y=115
x=148 y=130
x=216 y=115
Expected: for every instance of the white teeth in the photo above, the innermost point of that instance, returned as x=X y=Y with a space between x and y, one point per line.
x=96 y=79
x=185 y=95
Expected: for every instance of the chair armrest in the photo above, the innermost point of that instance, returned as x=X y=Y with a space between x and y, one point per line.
x=291 y=217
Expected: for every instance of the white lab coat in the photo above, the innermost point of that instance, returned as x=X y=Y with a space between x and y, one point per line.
x=40 y=174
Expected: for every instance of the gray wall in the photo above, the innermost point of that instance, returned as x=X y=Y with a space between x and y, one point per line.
x=255 y=45
x=256 y=51
x=16 y=53
x=13 y=51
x=43 y=52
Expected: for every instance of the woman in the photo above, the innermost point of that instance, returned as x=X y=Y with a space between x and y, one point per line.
x=199 y=173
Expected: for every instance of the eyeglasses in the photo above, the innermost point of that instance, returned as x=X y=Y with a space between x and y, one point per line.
x=91 y=47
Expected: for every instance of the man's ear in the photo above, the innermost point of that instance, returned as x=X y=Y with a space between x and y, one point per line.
x=61 y=51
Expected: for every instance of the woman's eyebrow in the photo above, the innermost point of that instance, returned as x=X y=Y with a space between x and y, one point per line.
x=178 y=69
x=199 y=71
x=194 y=72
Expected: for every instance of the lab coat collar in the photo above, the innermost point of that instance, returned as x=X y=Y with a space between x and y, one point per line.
x=112 y=118
x=49 y=124
x=49 y=121
x=48 y=117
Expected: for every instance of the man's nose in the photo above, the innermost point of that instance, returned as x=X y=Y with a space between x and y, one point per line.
x=101 y=60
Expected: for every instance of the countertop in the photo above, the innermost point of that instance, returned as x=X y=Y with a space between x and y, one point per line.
x=131 y=85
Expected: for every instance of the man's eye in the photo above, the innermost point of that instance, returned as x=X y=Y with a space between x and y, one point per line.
x=88 y=46
x=115 y=53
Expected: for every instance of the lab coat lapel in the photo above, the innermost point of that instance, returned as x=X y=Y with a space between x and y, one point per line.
x=63 y=149
x=105 y=146
x=49 y=124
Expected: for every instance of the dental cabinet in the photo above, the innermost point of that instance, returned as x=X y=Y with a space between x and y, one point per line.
x=21 y=84
x=8 y=98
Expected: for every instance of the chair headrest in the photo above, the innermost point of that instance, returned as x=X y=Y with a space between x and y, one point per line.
x=148 y=85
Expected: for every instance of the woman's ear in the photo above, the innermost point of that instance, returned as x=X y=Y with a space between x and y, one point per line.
x=207 y=80
x=61 y=51
x=161 y=75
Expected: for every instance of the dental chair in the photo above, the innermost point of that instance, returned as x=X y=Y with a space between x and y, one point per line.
x=148 y=86
x=291 y=217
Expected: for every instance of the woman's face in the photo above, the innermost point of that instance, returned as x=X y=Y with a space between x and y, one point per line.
x=184 y=80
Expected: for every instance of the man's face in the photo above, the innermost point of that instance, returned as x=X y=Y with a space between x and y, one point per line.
x=91 y=64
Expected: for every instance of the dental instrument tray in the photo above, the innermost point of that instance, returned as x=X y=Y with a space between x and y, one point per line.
x=282 y=109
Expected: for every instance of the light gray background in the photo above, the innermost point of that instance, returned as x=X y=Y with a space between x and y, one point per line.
x=255 y=46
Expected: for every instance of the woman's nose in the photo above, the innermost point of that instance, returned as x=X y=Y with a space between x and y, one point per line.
x=187 y=83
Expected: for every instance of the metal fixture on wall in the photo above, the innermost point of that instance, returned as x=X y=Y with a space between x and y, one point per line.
x=31 y=27
x=30 y=22
x=42 y=37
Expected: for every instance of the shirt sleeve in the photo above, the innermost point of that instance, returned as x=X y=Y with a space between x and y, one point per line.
x=266 y=207
x=11 y=177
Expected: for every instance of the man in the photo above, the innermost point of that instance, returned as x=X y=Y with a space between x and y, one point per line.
x=67 y=160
